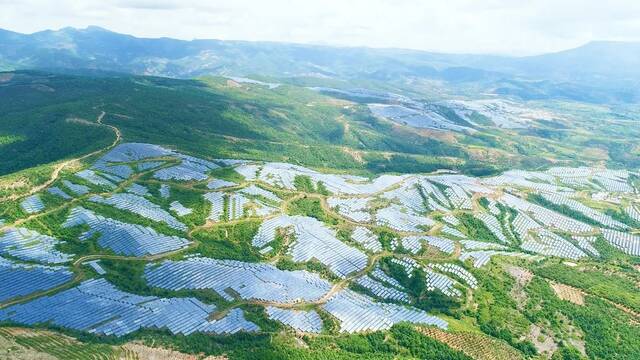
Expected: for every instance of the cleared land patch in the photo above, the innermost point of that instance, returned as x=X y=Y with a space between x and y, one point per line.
x=568 y=293
x=475 y=345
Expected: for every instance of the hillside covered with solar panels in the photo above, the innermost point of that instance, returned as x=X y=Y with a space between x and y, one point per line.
x=146 y=244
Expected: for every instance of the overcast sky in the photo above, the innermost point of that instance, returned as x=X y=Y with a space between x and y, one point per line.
x=463 y=26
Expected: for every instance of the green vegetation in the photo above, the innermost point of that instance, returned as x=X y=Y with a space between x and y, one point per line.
x=562 y=209
x=128 y=217
x=228 y=241
x=227 y=173
x=211 y=118
x=476 y=229
x=128 y=275
x=623 y=217
x=432 y=301
x=192 y=200
x=600 y=282
x=309 y=206
x=401 y=342
x=304 y=183
x=608 y=332
x=18 y=183
x=59 y=346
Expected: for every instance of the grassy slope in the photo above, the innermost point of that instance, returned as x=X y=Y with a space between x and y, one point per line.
x=212 y=117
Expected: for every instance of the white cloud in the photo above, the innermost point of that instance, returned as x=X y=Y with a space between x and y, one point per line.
x=464 y=26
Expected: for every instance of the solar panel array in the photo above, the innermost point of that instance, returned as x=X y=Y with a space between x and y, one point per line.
x=352 y=208
x=414 y=243
x=448 y=230
x=633 y=212
x=283 y=175
x=217 y=205
x=526 y=179
x=401 y=219
x=550 y=244
x=95 y=265
x=563 y=200
x=380 y=275
x=260 y=208
x=586 y=243
x=129 y=152
x=366 y=238
x=32 y=204
x=165 y=191
x=481 y=245
x=76 y=188
x=458 y=271
x=357 y=313
x=219 y=183
x=22 y=279
x=30 y=245
x=121 y=171
x=179 y=209
x=300 y=320
x=451 y=220
x=443 y=283
x=236 y=205
x=54 y=190
x=267 y=231
x=613 y=185
x=523 y=224
x=482 y=257
x=148 y=165
x=257 y=191
x=628 y=243
x=408 y=264
x=493 y=224
x=124 y=238
x=257 y=281
x=141 y=206
x=95 y=179
x=433 y=197
x=138 y=189
x=408 y=195
x=190 y=168
x=96 y=306
x=380 y=290
x=458 y=197
x=314 y=241
x=493 y=207
x=545 y=216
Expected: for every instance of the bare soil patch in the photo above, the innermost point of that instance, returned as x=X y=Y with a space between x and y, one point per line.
x=11 y=350
x=144 y=352
x=568 y=293
x=356 y=155
x=543 y=342
x=522 y=277
x=475 y=345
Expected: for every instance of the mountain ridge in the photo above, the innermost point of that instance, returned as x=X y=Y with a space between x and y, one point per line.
x=97 y=47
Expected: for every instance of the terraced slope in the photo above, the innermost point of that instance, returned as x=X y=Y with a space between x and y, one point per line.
x=414 y=265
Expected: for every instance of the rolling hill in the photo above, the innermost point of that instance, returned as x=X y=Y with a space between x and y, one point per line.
x=235 y=200
x=595 y=72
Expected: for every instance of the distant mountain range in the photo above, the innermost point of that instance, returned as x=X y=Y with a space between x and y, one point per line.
x=612 y=68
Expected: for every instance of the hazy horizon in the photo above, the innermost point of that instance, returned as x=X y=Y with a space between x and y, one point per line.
x=496 y=27
x=319 y=44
